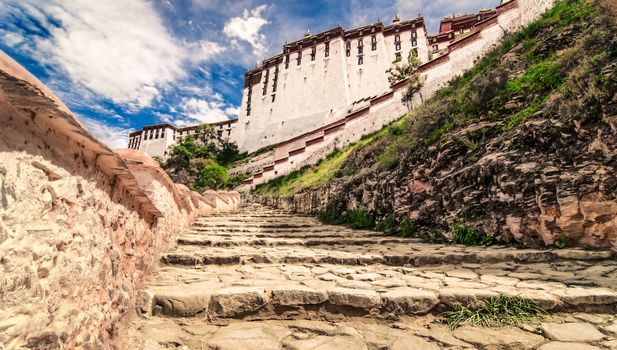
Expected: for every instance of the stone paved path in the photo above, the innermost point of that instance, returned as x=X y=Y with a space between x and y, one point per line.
x=264 y=279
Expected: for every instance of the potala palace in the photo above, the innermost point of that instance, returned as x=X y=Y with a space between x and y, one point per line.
x=326 y=90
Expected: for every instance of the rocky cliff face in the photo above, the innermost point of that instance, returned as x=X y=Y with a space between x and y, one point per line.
x=80 y=226
x=523 y=148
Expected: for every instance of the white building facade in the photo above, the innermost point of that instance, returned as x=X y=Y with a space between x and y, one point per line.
x=155 y=140
x=322 y=77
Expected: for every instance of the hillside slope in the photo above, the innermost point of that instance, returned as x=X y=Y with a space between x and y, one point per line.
x=522 y=146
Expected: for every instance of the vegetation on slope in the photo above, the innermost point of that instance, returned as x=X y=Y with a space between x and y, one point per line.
x=200 y=161
x=562 y=67
x=314 y=175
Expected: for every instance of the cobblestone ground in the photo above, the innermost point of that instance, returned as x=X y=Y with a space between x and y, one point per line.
x=264 y=279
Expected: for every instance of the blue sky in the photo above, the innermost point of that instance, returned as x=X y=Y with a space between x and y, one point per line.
x=122 y=64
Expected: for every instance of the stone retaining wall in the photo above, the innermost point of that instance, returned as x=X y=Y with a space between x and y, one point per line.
x=81 y=227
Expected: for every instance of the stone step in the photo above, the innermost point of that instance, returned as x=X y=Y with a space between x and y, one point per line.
x=275 y=291
x=340 y=333
x=257 y=225
x=235 y=240
x=256 y=216
x=284 y=233
x=388 y=254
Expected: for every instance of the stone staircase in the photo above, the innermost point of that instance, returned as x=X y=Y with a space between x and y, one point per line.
x=261 y=278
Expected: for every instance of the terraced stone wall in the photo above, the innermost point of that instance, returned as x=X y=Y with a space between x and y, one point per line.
x=81 y=227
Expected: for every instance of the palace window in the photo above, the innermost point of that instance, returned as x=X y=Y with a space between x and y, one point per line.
x=397 y=46
x=248 y=99
x=287 y=61
x=273 y=98
x=360 y=47
x=276 y=78
x=373 y=43
x=348 y=49
x=327 y=52
x=397 y=38
x=360 y=60
x=414 y=34
x=299 y=59
x=414 y=43
x=435 y=47
x=265 y=84
x=398 y=57
x=265 y=88
x=313 y=53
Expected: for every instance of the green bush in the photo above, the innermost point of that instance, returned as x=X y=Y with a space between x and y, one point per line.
x=407 y=228
x=358 y=219
x=329 y=217
x=236 y=181
x=468 y=236
x=213 y=176
x=386 y=224
x=562 y=242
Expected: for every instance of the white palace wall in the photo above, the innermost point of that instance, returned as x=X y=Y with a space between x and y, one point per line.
x=320 y=91
x=376 y=112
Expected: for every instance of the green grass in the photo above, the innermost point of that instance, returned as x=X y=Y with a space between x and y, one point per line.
x=468 y=236
x=499 y=311
x=521 y=116
x=320 y=173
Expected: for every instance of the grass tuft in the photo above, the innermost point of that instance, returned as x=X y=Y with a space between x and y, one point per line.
x=468 y=236
x=498 y=311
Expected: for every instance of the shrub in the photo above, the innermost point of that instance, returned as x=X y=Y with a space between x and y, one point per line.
x=358 y=219
x=236 y=180
x=562 y=242
x=213 y=176
x=407 y=228
x=386 y=224
x=468 y=236
x=329 y=217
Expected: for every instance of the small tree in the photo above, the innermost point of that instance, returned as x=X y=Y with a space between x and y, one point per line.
x=407 y=71
x=213 y=177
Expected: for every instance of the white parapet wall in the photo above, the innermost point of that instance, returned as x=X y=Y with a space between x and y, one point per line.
x=373 y=113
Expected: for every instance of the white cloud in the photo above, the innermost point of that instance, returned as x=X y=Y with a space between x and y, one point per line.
x=247 y=28
x=233 y=111
x=113 y=137
x=203 y=111
x=205 y=50
x=11 y=39
x=120 y=50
